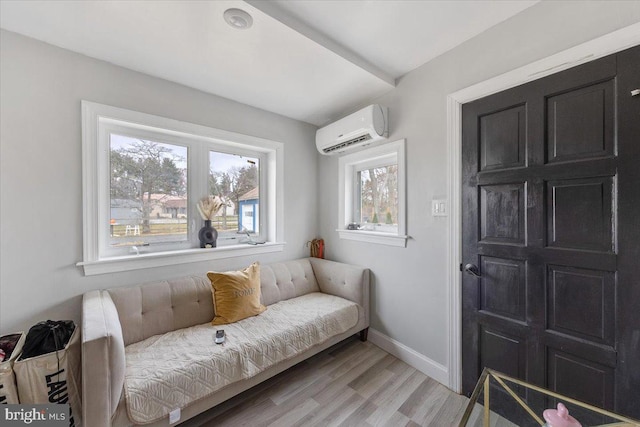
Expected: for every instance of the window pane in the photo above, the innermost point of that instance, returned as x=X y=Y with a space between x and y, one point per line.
x=236 y=180
x=148 y=193
x=377 y=204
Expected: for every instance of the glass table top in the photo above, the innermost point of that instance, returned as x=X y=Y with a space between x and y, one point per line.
x=501 y=401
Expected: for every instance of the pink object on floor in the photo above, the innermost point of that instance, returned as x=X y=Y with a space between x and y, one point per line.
x=560 y=417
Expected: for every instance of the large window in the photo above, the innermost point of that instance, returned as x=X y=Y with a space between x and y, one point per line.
x=372 y=195
x=144 y=175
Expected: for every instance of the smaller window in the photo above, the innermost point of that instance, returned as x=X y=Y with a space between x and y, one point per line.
x=372 y=195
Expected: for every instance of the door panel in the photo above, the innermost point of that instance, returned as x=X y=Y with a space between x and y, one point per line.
x=581 y=303
x=502 y=213
x=503 y=139
x=581 y=123
x=495 y=344
x=569 y=373
x=551 y=219
x=503 y=288
x=589 y=200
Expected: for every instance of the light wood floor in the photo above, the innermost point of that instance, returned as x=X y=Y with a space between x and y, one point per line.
x=351 y=384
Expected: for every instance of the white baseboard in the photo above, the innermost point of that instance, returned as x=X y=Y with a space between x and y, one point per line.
x=411 y=357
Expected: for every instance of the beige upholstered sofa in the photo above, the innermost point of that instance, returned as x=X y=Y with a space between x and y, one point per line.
x=148 y=350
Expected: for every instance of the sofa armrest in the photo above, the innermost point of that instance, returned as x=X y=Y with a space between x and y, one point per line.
x=103 y=360
x=344 y=280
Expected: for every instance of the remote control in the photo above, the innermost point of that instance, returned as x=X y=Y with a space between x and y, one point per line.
x=219 y=336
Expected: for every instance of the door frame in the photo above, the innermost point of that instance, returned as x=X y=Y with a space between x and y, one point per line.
x=616 y=41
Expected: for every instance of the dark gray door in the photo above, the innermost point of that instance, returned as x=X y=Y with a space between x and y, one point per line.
x=551 y=224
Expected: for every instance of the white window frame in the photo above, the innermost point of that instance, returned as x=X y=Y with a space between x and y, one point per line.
x=99 y=121
x=349 y=166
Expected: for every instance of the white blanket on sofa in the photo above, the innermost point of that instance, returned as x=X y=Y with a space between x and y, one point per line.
x=170 y=371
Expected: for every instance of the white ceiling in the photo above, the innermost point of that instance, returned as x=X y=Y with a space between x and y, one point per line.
x=308 y=60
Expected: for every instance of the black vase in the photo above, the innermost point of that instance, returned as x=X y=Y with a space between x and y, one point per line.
x=208 y=235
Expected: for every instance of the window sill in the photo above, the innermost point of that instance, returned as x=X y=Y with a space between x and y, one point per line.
x=160 y=259
x=374 y=237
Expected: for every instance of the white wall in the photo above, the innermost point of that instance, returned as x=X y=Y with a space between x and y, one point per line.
x=40 y=168
x=40 y=172
x=409 y=284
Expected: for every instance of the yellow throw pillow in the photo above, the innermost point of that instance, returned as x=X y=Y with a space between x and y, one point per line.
x=236 y=294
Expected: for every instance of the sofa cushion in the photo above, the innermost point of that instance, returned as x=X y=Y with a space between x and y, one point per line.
x=159 y=307
x=236 y=294
x=173 y=370
x=284 y=280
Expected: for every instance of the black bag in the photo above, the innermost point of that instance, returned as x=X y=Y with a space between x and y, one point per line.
x=46 y=337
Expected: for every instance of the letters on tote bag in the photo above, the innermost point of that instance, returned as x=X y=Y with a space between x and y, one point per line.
x=53 y=378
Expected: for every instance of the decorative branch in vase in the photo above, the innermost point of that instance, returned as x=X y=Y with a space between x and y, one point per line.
x=208 y=208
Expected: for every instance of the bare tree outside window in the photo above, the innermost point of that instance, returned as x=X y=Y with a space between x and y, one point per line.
x=378 y=201
x=148 y=191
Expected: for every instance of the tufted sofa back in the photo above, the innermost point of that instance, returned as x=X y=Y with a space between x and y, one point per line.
x=159 y=307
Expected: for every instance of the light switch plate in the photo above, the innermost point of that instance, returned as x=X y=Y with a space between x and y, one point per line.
x=439 y=207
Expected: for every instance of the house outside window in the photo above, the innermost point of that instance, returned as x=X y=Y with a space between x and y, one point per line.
x=373 y=195
x=249 y=211
x=143 y=176
x=234 y=178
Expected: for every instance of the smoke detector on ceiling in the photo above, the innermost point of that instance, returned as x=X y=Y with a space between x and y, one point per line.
x=238 y=18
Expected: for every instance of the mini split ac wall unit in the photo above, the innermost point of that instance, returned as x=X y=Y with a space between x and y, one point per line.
x=357 y=130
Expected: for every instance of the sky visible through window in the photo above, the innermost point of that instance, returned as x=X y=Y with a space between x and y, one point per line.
x=221 y=162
